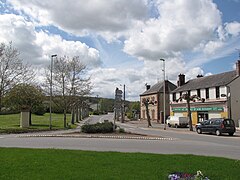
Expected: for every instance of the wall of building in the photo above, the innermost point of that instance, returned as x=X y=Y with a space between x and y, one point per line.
x=153 y=109
x=210 y=103
x=235 y=100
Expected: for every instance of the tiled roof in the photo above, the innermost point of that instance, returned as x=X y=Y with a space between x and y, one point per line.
x=208 y=81
x=159 y=88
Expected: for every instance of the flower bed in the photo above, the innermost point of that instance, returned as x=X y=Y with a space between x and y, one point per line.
x=187 y=176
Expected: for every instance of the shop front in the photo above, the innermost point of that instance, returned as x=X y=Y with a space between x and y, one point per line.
x=200 y=114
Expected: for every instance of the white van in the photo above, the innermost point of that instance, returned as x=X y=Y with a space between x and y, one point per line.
x=176 y=121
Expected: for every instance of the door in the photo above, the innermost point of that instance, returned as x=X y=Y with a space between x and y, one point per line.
x=202 y=116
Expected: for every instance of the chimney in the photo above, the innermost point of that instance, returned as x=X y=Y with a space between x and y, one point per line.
x=148 y=87
x=181 y=79
x=238 y=67
x=199 y=75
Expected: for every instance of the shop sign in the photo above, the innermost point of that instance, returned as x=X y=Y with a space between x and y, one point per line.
x=199 y=109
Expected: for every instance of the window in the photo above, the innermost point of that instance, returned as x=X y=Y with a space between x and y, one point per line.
x=207 y=93
x=199 y=93
x=180 y=96
x=174 y=97
x=217 y=92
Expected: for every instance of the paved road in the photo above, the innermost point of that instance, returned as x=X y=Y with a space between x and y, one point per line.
x=184 y=142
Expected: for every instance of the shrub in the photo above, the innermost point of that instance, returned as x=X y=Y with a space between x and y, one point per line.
x=106 y=127
x=95 y=112
x=121 y=130
x=39 y=110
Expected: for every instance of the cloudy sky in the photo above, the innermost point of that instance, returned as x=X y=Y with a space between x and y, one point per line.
x=121 y=41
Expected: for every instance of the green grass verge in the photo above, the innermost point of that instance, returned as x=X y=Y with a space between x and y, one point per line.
x=72 y=164
x=11 y=123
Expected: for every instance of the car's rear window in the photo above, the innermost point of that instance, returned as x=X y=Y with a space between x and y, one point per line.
x=228 y=122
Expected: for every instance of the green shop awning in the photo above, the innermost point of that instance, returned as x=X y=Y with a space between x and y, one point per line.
x=199 y=109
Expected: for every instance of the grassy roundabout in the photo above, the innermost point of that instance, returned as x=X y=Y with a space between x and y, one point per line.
x=73 y=164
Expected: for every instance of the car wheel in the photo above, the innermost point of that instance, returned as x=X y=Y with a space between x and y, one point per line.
x=218 y=132
x=199 y=131
x=230 y=134
x=169 y=125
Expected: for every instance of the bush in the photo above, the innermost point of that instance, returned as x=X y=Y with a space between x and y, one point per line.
x=95 y=112
x=39 y=110
x=106 y=127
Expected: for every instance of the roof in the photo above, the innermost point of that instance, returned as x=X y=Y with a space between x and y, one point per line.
x=222 y=79
x=156 y=88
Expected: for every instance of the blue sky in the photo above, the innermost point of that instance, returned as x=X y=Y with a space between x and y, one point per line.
x=121 y=41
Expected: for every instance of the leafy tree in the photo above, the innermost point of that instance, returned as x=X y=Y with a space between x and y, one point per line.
x=106 y=105
x=133 y=107
x=12 y=70
x=24 y=97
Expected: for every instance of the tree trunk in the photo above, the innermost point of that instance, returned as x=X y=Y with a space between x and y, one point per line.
x=73 y=115
x=30 y=117
x=0 y=101
x=77 y=117
x=148 y=116
x=64 y=118
x=80 y=114
x=189 y=115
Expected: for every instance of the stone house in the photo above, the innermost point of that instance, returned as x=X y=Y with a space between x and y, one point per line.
x=155 y=94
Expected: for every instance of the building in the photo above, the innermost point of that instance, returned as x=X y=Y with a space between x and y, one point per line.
x=155 y=94
x=219 y=96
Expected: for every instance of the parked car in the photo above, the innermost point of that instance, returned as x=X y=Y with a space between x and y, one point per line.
x=175 y=121
x=217 y=126
x=199 y=123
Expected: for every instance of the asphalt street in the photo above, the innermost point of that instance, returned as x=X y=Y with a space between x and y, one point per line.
x=181 y=141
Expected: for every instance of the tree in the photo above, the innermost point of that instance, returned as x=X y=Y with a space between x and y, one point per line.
x=106 y=105
x=188 y=98
x=24 y=97
x=70 y=83
x=12 y=70
x=146 y=102
x=134 y=107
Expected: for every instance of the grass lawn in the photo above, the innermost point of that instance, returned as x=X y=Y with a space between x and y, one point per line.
x=11 y=123
x=74 y=164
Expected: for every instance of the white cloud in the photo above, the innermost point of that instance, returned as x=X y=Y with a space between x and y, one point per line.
x=81 y=17
x=233 y=28
x=36 y=47
x=181 y=26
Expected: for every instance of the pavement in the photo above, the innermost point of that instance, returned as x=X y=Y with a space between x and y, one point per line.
x=156 y=125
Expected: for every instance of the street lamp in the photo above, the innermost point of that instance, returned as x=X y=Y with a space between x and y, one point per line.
x=124 y=95
x=164 y=94
x=50 y=106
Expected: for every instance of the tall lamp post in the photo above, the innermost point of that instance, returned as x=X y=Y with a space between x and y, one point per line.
x=124 y=96
x=164 y=94
x=50 y=106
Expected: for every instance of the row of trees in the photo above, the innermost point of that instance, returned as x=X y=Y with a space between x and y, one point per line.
x=19 y=90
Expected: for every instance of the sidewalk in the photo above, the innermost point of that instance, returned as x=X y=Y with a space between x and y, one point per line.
x=156 y=125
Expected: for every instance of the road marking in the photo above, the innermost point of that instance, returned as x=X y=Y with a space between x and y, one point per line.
x=1 y=137
x=99 y=136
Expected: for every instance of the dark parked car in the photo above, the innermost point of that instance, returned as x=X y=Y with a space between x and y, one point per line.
x=217 y=126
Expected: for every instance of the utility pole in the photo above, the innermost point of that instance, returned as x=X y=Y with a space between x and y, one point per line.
x=123 y=118
x=50 y=105
x=164 y=94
